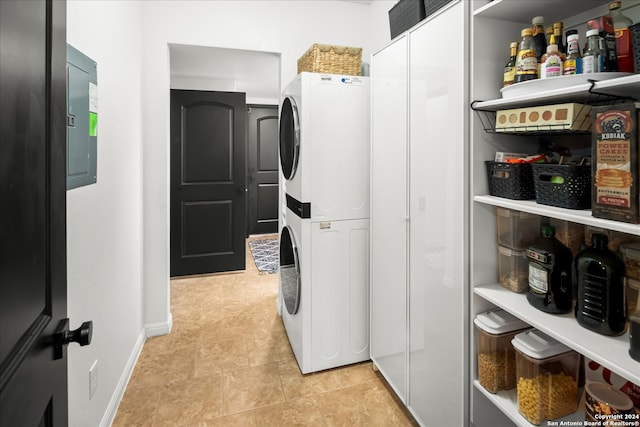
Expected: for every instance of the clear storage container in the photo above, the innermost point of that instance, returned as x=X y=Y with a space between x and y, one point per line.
x=616 y=238
x=513 y=269
x=569 y=233
x=516 y=230
x=496 y=356
x=547 y=371
x=631 y=255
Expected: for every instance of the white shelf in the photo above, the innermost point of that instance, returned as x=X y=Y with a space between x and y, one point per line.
x=577 y=216
x=627 y=86
x=523 y=11
x=507 y=402
x=611 y=352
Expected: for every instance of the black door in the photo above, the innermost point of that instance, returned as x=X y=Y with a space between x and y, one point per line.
x=208 y=170
x=33 y=379
x=263 y=169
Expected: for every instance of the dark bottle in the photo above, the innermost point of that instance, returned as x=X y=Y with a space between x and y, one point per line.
x=539 y=38
x=557 y=33
x=550 y=267
x=509 y=73
x=601 y=305
x=634 y=336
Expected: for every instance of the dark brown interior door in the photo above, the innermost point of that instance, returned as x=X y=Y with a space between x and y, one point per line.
x=208 y=182
x=33 y=379
x=263 y=169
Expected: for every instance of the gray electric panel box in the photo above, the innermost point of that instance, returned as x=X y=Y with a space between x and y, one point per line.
x=82 y=119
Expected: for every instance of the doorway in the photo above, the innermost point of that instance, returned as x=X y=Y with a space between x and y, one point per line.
x=257 y=74
x=208 y=182
x=262 y=166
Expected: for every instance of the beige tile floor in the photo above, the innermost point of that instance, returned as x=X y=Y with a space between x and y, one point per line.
x=227 y=362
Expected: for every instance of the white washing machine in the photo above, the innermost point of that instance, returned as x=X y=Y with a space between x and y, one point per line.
x=324 y=146
x=324 y=285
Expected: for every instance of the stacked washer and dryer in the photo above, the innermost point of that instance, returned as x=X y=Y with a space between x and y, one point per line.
x=324 y=239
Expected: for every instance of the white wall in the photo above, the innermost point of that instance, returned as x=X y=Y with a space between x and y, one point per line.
x=118 y=229
x=285 y=27
x=104 y=226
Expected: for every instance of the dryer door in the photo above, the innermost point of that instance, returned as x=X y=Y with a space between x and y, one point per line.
x=289 y=137
x=289 y=271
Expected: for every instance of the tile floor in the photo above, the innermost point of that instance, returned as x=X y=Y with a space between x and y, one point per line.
x=227 y=362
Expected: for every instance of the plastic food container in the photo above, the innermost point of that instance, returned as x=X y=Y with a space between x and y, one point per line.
x=631 y=255
x=516 y=230
x=513 y=269
x=616 y=239
x=496 y=356
x=569 y=233
x=547 y=372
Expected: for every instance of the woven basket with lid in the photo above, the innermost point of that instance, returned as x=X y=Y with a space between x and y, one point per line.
x=324 y=58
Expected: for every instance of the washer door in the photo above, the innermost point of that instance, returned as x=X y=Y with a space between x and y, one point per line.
x=289 y=137
x=289 y=271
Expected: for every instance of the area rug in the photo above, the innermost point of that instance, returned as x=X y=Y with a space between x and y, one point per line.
x=265 y=255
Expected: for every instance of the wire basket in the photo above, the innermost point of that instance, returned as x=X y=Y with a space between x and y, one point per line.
x=563 y=186
x=510 y=180
x=324 y=58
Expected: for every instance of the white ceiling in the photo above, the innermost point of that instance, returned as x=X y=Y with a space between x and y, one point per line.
x=252 y=72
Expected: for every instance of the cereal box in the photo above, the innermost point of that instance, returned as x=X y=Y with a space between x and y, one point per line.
x=615 y=162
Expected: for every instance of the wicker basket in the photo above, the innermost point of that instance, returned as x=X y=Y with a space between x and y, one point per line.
x=324 y=58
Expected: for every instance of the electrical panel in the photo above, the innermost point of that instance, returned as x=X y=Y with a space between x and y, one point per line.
x=82 y=119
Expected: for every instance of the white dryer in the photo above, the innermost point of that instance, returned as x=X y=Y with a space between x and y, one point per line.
x=324 y=285
x=324 y=146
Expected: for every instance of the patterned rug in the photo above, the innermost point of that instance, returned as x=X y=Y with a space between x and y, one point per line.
x=265 y=254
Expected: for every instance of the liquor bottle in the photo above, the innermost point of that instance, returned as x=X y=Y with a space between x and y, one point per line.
x=594 y=56
x=624 y=48
x=550 y=271
x=510 y=68
x=526 y=61
x=573 y=63
x=539 y=39
x=601 y=305
x=558 y=27
x=551 y=65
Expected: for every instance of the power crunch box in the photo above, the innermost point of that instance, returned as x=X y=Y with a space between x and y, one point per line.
x=614 y=167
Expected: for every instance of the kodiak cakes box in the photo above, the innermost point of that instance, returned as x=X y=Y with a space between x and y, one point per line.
x=614 y=167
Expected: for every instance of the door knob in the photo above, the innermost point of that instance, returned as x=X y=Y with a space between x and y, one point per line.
x=64 y=336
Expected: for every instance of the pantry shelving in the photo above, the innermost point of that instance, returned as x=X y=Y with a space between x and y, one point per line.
x=502 y=20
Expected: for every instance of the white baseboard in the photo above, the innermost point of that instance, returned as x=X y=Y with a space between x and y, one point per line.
x=152 y=330
x=112 y=409
x=157 y=329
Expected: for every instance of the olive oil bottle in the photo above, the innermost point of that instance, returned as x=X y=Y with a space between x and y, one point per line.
x=550 y=273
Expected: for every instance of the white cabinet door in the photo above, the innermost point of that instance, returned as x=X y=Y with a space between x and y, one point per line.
x=389 y=214
x=437 y=212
